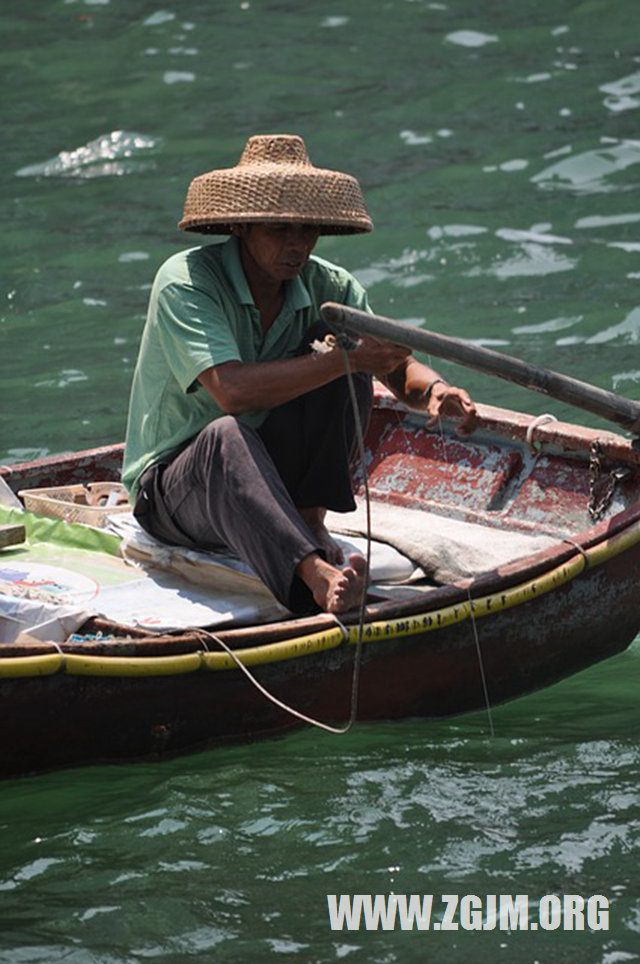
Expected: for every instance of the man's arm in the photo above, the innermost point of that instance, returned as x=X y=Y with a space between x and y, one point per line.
x=241 y=387
x=423 y=388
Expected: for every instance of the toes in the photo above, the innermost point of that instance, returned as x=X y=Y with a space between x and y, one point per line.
x=346 y=587
x=358 y=564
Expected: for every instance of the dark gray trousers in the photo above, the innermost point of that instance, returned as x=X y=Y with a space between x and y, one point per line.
x=238 y=488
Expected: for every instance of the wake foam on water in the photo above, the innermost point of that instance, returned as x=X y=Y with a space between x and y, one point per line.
x=112 y=154
x=589 y=171
x=622 y=94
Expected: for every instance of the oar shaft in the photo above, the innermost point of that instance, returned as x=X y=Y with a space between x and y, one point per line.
x=622 y=411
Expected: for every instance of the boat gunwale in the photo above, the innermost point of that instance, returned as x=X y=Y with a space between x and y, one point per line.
x=508 y=423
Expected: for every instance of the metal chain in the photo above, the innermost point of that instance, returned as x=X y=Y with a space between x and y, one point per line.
x=601 y=492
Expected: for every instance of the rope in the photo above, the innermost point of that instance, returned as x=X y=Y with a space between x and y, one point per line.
x=204 y=634
x=265 y=692
x=536 y=423
x=485 y=689
x=474 y=628
x=445 y=454
x=355 y=682
x=581 y=550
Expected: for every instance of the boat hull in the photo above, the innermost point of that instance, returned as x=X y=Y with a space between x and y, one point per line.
x=475 y=642
x=67 y=719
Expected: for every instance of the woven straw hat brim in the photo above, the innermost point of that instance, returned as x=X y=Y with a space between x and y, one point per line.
x=272 y=193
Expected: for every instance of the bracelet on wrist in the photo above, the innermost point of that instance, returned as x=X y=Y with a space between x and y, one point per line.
x=426 y=395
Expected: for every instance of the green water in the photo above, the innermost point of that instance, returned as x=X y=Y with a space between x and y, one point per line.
x=497 y=145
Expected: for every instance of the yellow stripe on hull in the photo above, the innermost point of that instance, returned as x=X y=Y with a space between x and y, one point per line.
x=79 y=665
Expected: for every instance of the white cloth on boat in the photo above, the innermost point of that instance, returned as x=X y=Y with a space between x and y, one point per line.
x=182 y=587
x=222 y=569
x=162 y=601
x=48 y=602
x=446 y=549
x=50 y=595
x=27 y=608
x=43 y=621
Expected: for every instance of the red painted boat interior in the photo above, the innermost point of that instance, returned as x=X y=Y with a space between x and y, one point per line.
x=493 y=476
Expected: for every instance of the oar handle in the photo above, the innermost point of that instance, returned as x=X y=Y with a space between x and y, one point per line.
x=615 y=408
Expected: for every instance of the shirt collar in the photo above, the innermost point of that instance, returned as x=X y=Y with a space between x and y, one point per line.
x=233 y=267
x=296 y=293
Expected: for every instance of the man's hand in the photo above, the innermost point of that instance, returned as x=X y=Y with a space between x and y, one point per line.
x=375 y=357
x=447 y=400
x=411 y=381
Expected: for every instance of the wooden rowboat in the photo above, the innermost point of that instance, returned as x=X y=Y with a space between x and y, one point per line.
x=434 y=647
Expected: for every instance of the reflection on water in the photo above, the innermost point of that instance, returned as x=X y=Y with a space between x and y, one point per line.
x=531 y=259
x=470 y=38
x=605 y=221
x=622 y=93
x=590 y=170
x=627 y=331
x=106 y=156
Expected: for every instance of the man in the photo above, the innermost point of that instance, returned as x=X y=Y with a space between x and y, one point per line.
x=239 y=435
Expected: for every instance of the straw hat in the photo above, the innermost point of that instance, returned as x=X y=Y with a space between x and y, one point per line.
x=275 y=181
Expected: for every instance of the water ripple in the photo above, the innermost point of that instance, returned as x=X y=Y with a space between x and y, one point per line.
x=159 y=17
x=470 y=38
x=533 y=259
x=588 y=171
x=622 y=93
x=110 y=154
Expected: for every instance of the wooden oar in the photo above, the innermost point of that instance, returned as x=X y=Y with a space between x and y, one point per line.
x=622 y=411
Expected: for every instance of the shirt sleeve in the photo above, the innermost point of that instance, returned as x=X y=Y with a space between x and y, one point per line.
x=194 y=332
x=355 y=296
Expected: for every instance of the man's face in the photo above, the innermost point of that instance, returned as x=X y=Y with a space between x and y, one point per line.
x=279 y=251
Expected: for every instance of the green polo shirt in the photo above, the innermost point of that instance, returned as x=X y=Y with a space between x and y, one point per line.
x=201 y=313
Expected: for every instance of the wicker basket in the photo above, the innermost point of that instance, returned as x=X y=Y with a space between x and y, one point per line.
x=89 y=505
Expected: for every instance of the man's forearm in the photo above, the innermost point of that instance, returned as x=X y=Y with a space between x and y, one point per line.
x=410 y=381
x=242 y=387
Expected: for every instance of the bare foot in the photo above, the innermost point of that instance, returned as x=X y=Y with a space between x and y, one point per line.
x=314 y=517
x=334 y=590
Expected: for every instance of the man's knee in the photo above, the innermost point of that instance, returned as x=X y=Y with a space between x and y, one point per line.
x=226 y=425
x=225 y=435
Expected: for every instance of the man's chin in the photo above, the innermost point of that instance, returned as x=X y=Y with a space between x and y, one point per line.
x=291 y=271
